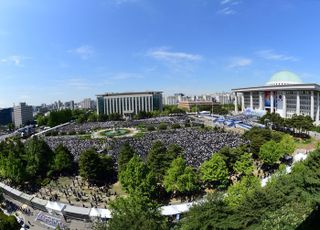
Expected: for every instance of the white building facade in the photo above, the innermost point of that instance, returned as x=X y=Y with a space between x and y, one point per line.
x=284 y=94
x=22 y=114
x=129 y=103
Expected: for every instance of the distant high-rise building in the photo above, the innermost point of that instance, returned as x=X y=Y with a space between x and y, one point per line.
x=129 y=103
x=69 y=105
x=22 y=114
x=5 y=116
x=223 y=98
x=87 y=103
x=175 y=99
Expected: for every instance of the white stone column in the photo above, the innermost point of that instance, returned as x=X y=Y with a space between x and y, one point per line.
x=117 y=105
x=122 y=105
x=105 y=109
x=139 y=103
x=113 y=105
x=136 y=104
x=242 y=102
x=260 y=100
x=284 y=104
x=143 y=103
x=149 y=104
x=251 y=100
x=312 y=105
x=298 y=103
x=271 y=102
x=318 y=110
x=236 y=103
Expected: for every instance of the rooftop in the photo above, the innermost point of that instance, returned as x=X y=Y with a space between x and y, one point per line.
x=129 y=93
x=284 y=78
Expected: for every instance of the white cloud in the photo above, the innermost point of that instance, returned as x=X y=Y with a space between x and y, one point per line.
x=84 y=51
x=272 y=55
x=166 y=55
x=14 y=59
x=228 y=7
x=223 y=2
x=227 y=11
x=239 y=62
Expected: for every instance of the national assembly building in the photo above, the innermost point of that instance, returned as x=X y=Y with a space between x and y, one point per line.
x=129 y=103
x=284 y=94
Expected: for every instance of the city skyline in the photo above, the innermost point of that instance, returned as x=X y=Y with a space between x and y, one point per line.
x=61 y=50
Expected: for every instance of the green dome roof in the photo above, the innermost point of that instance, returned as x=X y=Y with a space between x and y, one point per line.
x=284 y=78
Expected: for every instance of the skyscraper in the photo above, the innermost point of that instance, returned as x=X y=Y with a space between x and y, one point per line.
x=22 y=114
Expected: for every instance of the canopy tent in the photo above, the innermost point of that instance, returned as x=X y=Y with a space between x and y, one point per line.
x=74 y=212
x=105 y=213
x=55 y=207
x=94 y=212
x=171 y=210
x=38 y=203
x=100 y=212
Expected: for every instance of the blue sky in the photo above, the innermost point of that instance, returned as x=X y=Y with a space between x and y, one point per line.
x=71 y=49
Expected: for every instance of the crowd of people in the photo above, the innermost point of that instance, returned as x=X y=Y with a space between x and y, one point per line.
x=198 y=144
x=92 y=126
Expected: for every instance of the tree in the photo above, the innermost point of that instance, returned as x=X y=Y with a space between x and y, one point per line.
x=88 y=162
x=214 y=171
x=289 y=216
x=114 y=117
x=270 y=153
x=125 y=154
x=136 y=178
x=15 y=168
x=237 y=192
x=8 y=222
x=107 y=173
x=157 y=160
x=180 y=178
x=63 y=159
x=39 y=157
x=11 y=126
x=257 y=138
x=162 y=126
x=286 y=145
x=244 y=165
x=212 y=213
x=136 y=212
x=96 y=168
x=231 y=155
x=173 y=152
x=176 y=126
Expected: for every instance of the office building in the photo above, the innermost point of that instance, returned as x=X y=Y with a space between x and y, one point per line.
x=175 y=99
x=87 y=104
x=284 y=94
x=69 y=105
x=5 y=116
x=129 y=103
x=22 y=114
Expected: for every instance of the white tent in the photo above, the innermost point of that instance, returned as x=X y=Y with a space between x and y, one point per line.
x=55 y=207
x=94 y=212
x=105 y=213
x=169 y=210
x=100 y=212
x=183 y=207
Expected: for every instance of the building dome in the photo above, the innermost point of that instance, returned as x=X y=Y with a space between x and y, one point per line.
x=284 y=78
